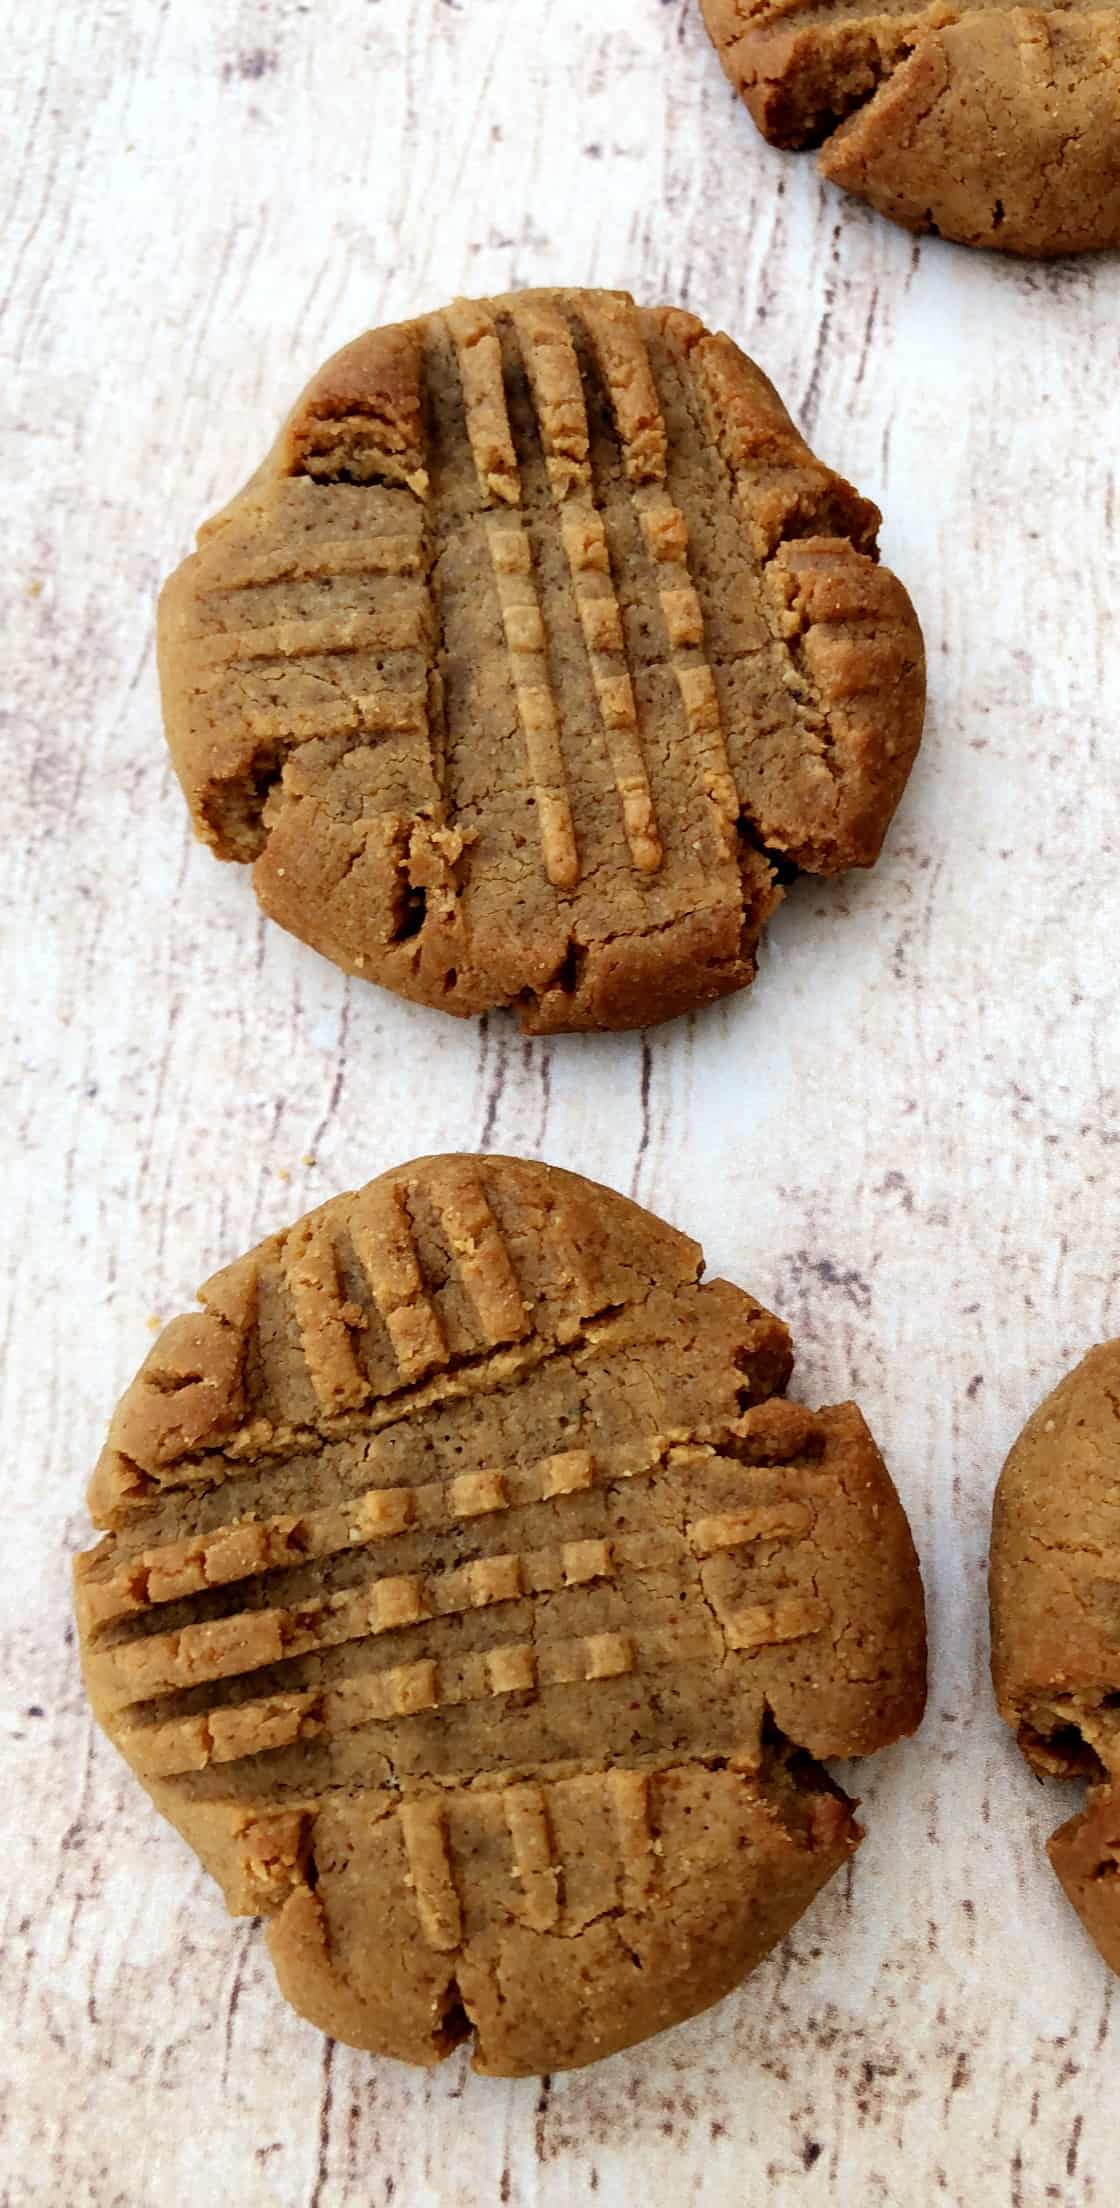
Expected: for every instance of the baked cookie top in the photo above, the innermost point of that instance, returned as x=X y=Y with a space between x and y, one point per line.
x=535 y=653
x=993 y=125
x=476 y=1605
x=1055 y=1601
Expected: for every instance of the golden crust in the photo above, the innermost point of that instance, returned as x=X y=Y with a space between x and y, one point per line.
x=992 y=125
x=474 y=1603
x=535 y=647
x=1055 y=1572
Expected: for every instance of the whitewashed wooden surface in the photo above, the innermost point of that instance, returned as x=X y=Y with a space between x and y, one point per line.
x=906 y=1139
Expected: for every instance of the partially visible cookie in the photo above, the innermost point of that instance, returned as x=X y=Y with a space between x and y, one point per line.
x=536 y=657
x=994 y=125
x=1055 y=1598
x=475 y=1604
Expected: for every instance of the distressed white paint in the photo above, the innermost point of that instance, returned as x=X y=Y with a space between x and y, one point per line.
x=906 y=1138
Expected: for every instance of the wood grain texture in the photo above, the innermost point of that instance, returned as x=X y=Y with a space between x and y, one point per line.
x=905 y=1139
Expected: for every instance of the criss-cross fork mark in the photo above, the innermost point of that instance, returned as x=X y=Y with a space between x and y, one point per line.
x=141 y=1669
x=199 y=1563
x=173 y=1571
x=326 y=633
x=215 y=1649
x=384 y=1321
x=384 y=1246
x=624 y=364
x=142 y=1675
x=230 y=1731
x=519 y=1820
x=556 y=385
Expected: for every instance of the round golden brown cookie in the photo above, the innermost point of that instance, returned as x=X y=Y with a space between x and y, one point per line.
x=1055 y=1596
x=536 y=649
x=475 y=1604
x=990 y=124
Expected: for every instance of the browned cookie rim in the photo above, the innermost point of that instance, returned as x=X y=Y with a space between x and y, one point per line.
x=1054 y=1584
x=862 y=83
x=836 y=652
x=198 y=1580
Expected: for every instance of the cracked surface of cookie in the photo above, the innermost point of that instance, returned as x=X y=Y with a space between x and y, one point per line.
x=1055 y=1600
x=992 y=125
x=475 y=1603
x=536 y=656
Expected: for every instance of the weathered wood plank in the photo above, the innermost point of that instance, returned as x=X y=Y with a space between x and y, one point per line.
x=906 y=1139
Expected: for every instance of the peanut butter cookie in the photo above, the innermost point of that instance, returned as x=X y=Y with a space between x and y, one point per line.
x=1055 y=1595
x=536 y=656
x=475 y=1604
x=990 y=124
